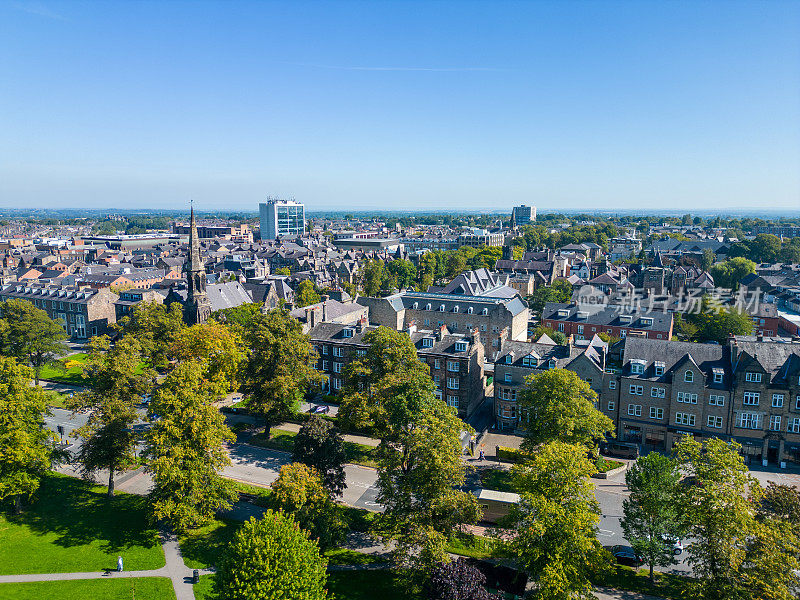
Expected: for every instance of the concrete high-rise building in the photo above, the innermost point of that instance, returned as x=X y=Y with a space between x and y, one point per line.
x=522 y=215
x=281 y=217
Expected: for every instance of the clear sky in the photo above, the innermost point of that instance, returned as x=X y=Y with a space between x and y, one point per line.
x=401 y=105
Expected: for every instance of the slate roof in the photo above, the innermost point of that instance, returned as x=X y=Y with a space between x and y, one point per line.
x=606 y=315
x=672 y=354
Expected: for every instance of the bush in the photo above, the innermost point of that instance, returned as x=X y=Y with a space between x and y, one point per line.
x=512 y=454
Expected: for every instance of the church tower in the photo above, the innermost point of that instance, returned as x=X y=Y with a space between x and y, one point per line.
x=197 y=308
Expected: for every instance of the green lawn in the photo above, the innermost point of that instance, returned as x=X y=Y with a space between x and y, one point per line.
x=73 y=526
x=202 y=590
x=474 y=546
x=71 y=376
x=497 y=479
x=136 y=588
x=201 y=548
x=56 y=399
x=368 y=585
x=357 y=454
x=345 y=556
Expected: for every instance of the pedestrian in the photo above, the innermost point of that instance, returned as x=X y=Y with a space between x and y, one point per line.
x=481 y=455
x=119 y=564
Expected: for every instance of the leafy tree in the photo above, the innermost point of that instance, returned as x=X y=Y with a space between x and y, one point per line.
x=718 y=508
x=283 y=271
x=305 y=294
x=717 y=325
x=456 y=580
x=185 y=446
x=556 y=521
x=156 y=327
x=426 y=271
x=271 y=559
x=781 y=502
x=707 y=260
x=117 y=384
x=213 y=345
x=651 y=515
x=560 y=291
x=280 y=366
x=319 y=445
x=238 y=318
x=299 y=490
x=26 y=448
x=403 y=271
x=30 y=335
x=727 y=274
x=456 y=264
x=372 y=277
x=561 y=406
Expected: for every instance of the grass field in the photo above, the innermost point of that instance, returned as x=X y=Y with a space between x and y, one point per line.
x=201 y=548
x=474 y=546
x=497 y=479
x=71 y=376
x=202 y=590
x=136 y=588
x=73 y=526
x=357 y=454
x=672 y=587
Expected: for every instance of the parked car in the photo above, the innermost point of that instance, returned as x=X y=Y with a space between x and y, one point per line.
x=620 y=449
x=320 y=409
x=625 y=555
x=677 y=545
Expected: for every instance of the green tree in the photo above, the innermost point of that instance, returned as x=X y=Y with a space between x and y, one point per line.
x=186 y=451
x=280 y=366
x=271 y=559
x=215 y=347
x=426 y=271
x=26 y=447
x=560 y=291
x=30 y=335
x=117 y=384
x=283 y=271
x=299 y=491
x=651 y=515
x=717 y=324
x=156 y=327
x=561 y=406
x=371 y=277
x=305 y=294
x=718 y=508
x=318 y=444
x=456 y=264
x=727 y=274
x=556 y=522
x=403 y=271
x=708 y=259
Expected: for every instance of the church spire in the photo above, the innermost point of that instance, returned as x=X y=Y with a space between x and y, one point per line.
x=197 y=307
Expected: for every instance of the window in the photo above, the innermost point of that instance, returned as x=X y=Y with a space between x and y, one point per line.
x=324 y=349
x=438 y=394
x=611 y=405
x=688 y=377
x=659 y=367
x=509 y=359
x=775 y=423
x=347 y=332
x=455 y=308
x=427 y=342
x=561 y=327
x=750 y=399
x=469 y=310
x=656 y=413
x=715 y=422
x=529 y=361
x=637 y=367
x=483 y=327
x=580 y=328
x=551 y=364
x=337 y=367
x=754 y=377
x=427 y=322
x=453 y=366
x=361 y=352
x=338 y=352
x=797 y=402
x=687 y=398
x=452 y=401
x=623 y=333
x=324 y=365
x=636 y=390
x=777 y=402
x=612 y=385
x=634 y=410
x=716 y=400
x=684 y=419
x=437 y=364
x=718 y=373
x=748 y=420
x=437 y=380
x=452 y=383
x=461 y=346
x=485 y=311
x=336 y=383
x=508 y=378
x=658 y=392
x=793 y=426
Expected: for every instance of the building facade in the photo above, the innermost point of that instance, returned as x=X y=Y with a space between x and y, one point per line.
x=281 y=217
x=586 y=320
x=523 y=215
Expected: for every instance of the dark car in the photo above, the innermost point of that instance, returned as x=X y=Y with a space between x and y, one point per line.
x=625 y=555
x=620 y=449
x=320 y=409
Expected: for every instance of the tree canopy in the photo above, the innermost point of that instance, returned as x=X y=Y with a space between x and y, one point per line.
x=28 y=334
x=319 y=445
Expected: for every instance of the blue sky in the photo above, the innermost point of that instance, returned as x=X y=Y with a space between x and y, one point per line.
x=401 y=105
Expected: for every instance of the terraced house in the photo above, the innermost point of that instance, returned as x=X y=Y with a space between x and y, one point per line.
x=585 y=320
x=455 y=360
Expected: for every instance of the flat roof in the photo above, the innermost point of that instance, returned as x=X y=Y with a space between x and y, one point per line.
x=508 y=497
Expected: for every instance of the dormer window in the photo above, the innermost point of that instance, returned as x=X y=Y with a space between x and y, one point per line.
x=485 y=311
x=415 y=306
x=455 y=308
x=637 y=366
x=427 y=342
x=469 y=310
x=551 y=364
x=509 y=359
x=646 y=320
x=563 y=312
x=428 y=306
x=441 y=308
x=461 y=346
x=347 y=332
x=659 y=367
x=718 y=375
x=529 y=361
x=688 y=377
x=753 y=377
x=625 y=318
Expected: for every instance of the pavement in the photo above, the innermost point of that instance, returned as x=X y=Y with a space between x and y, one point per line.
x=174 y=568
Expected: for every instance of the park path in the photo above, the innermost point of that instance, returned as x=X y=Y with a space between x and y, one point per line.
x=174 y=569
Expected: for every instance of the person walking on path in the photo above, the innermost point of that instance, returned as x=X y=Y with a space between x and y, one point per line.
x=119 y=564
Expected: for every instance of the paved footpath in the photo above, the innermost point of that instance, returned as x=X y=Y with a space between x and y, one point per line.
x=175 y=569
